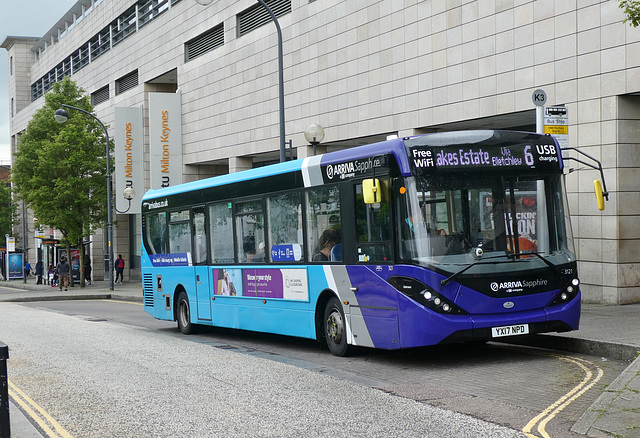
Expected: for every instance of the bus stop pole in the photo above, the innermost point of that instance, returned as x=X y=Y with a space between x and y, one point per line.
x=5 y=426
x=541 y=207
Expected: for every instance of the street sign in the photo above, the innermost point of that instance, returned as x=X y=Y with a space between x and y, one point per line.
x=539 y=97
x=556 y=123
x=11 y=244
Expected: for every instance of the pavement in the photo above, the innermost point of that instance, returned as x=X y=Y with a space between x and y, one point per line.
x=606 y=331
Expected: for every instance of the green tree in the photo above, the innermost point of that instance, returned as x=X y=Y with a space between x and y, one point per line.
x=59 y=169
x=8 y=211
x=631 y=10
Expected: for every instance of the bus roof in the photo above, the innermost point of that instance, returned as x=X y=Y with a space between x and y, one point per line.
x=337 y=165
x=310 y=168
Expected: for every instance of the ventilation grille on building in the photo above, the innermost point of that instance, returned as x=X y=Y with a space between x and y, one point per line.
x=205 y=43
x=257 y=15
x=102 y=95
x=127 y=82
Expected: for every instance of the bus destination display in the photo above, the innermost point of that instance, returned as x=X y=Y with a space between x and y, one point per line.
x=521 y=156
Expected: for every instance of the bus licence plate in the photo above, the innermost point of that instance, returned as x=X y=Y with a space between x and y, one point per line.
x=510 y=330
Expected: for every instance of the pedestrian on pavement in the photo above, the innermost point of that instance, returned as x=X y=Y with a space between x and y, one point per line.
x=27 y=269
x=119 y=268
x=87 y=269
x=53 y=277
x=39 y=271
x=62 y=269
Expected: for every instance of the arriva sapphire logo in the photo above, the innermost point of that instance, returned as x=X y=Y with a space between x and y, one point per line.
x=516 y=286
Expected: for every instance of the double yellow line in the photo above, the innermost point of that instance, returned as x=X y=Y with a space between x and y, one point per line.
x=550 y=413
x=45 y=421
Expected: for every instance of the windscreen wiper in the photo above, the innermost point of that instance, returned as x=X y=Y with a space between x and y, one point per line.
x=448 y=280
x=530 y=252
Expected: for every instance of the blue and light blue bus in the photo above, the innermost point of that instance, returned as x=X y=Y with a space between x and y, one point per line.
x=446 y=237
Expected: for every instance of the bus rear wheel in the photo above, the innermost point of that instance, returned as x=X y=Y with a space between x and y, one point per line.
x=183 y=314
x=335 y=329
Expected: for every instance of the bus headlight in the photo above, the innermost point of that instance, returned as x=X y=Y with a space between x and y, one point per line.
x=568 y=293
x=421 y=293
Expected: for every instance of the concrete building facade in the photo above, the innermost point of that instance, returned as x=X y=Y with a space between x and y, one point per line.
x=363 y=69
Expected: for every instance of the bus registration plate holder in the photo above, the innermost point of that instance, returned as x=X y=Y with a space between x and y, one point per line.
x=510 y=330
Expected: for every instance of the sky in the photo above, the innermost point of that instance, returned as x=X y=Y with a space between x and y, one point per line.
x=31 y=18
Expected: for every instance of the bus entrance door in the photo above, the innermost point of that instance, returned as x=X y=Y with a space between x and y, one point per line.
x=202 y=271
x=203 y=294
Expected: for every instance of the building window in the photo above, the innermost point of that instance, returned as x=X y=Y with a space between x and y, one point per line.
x=36 y=90
x=127 y=82
x=257 y=15
x=99 y=44
x=126 y=24
x=11 y=66
x=150 y=9
x=12 y=104
x=204 y=43
x=102 y=95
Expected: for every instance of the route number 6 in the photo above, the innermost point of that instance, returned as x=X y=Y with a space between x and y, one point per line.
x=528 y=156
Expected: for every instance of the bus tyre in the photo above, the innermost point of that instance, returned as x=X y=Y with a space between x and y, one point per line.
x=183 y=314
x=335 y=329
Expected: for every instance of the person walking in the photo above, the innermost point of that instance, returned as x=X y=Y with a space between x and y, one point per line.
x=27 y=269
x=39 y=271
x=53 y=277
x=87 y=269
x=63 y=273
x=119 y=268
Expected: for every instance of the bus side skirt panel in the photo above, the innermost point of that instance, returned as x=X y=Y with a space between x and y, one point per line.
x=373 y=312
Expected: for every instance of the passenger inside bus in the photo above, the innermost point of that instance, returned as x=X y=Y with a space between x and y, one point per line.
x=259 y=255
x=327 y=240
x=250 y=255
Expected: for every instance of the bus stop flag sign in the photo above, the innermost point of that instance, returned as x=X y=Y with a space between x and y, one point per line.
x=556 y=123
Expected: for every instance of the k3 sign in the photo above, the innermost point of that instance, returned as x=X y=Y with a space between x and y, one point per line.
x=539 y=97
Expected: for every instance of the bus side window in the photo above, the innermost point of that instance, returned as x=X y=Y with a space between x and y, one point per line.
x=156 y=238
x=199 y=236
x=323 y=222
x=250 y=231
x=179 y=232
x=221 y=233
x=373 y=227
x=285 y=226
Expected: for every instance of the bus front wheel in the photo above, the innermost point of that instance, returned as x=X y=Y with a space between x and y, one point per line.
x=183 y=314
x=335 y=329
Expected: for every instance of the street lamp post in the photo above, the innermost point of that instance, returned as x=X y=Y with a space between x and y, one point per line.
x=62 y=116
x=283 y=157
x=314 y=134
